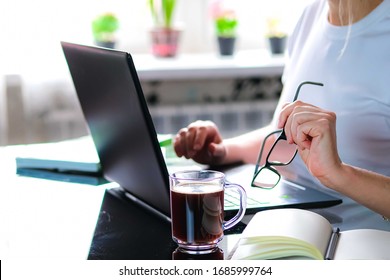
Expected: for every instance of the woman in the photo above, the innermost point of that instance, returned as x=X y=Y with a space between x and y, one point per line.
x=345 y=45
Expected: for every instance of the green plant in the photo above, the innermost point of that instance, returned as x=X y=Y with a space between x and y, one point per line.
x=162 y=12
x=225 y=19
x=104 y=27
x=226 y=27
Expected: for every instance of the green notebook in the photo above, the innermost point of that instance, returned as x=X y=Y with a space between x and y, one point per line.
x=73 y=160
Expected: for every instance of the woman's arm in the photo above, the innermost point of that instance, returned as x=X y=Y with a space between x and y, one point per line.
x=203 y=142
x=313 y=130
x=366 y=187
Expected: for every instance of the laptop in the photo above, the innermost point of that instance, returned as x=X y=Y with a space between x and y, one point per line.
x=125 y=138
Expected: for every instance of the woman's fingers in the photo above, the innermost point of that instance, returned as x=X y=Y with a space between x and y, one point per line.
x=314 y=119
x=196 y=140
x=295 y=113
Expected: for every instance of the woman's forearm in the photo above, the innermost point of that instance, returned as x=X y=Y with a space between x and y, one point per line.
x=366 y=187
x=245 y=148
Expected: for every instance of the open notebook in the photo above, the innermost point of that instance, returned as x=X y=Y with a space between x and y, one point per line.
x=302 y=234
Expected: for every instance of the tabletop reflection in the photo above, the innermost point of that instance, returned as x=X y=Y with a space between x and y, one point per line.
x=215 y=254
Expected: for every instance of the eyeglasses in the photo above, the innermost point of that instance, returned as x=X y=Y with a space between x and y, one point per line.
x=281 y=154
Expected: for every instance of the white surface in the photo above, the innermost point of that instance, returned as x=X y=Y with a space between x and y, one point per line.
x=44 y=218
x=248 y=63
x=209 y=65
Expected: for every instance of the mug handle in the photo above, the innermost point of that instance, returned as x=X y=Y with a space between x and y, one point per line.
x=241 y=212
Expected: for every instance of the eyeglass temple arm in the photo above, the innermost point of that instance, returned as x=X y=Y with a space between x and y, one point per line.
x=262 y=149
x=305 y=83
x=260 y=155
x=282 y=130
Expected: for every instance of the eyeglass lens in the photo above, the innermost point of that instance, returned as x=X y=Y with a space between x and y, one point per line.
x=266 y=178
x=282 y=153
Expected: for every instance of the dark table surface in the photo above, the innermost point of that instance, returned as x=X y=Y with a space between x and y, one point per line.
x=125 y=231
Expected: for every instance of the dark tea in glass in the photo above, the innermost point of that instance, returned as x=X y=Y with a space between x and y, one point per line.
x=197 y=199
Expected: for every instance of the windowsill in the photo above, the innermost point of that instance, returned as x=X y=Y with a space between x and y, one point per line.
x=186 y=66
x=208 y=65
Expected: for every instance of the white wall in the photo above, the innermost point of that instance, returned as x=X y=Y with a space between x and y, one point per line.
x=36 y=27
x=32 y=30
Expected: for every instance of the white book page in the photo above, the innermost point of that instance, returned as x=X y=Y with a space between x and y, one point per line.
x=363 y=244
x=297 y=224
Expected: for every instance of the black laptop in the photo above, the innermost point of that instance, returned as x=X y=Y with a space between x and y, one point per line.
x=121 y=126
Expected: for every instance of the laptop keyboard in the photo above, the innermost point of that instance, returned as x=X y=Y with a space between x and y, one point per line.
x=232 y=199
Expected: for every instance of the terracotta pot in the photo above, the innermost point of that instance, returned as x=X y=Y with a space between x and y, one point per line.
x=165 y=42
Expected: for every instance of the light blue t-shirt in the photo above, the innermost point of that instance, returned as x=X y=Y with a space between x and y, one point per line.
x=353 y=63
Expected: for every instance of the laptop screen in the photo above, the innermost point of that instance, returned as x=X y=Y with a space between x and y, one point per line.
x=118 y=118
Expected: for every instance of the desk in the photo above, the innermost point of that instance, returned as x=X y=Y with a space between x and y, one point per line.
x=42 y=218
x=126 y=231
x=50 y=219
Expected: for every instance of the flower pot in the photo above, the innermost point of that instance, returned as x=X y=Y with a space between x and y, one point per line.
x=277 y=44
x=226 y=45
x=105 y=44
x=165 y=42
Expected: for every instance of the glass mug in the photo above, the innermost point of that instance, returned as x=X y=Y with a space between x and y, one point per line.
x=197 y=209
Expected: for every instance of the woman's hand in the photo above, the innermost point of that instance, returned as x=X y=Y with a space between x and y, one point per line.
x=200 y=141
x=313 y=130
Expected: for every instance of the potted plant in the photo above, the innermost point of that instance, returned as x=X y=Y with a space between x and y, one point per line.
x=165 y=37
x=104 y=27
x=225 y=22
x=276 y=37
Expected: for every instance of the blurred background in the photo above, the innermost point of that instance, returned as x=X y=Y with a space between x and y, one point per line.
x=37 y=97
